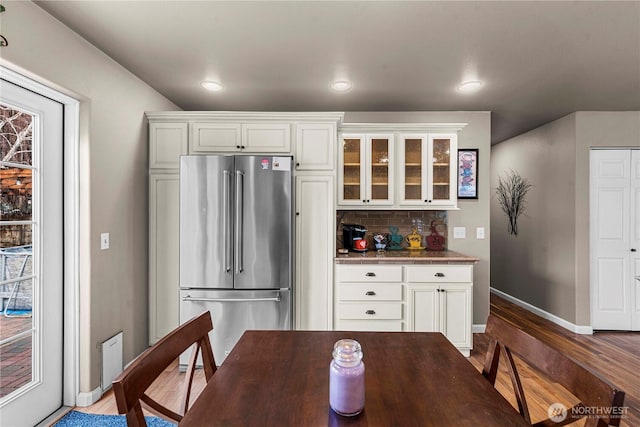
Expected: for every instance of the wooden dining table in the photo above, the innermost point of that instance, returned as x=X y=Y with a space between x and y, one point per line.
x=281 y=378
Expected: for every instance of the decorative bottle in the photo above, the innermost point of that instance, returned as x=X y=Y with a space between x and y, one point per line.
x=346 y=378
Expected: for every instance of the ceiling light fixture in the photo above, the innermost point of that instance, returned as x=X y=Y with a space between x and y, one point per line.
x=469 y=86
x=341 y=85
x=212 y=86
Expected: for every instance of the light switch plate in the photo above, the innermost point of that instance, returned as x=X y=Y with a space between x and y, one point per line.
x=459 y=232
x=104 y=241
x=480 y=233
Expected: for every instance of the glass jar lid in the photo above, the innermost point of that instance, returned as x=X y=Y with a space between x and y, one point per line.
x=347 y=352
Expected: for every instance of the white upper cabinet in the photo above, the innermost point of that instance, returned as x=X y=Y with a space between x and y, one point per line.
x=241 y=137
x=167 y=142
x=410 y=165
x=315 y=146
x=427 y=170
x=365 y=173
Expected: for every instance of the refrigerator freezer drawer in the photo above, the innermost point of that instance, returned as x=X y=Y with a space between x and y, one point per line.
x=234 y=312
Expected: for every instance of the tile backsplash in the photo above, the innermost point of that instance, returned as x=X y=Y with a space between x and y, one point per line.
x=379 y=221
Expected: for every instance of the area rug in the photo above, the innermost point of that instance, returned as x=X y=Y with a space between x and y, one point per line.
x=80 y=419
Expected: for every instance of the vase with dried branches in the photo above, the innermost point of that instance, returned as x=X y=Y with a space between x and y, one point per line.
x=511 y=192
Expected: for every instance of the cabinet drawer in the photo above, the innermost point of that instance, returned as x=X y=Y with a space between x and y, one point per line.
x=440 y=273
x=374 y=292
x=370 y=310
x=369 y=273
x=370 y=325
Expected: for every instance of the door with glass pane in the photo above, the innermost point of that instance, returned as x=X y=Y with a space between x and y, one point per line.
x=351 y=175
x=365 y=177
x=31 y=248
x=442 y=176
x=412 y=161
x=380 y=170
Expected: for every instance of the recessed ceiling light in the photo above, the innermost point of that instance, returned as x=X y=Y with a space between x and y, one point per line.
x=341 y=85
x=469 y=86
x=212 y=86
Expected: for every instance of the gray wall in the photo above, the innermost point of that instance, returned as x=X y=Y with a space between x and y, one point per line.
x=472 y=213
x=547 y=264
x=113 y=179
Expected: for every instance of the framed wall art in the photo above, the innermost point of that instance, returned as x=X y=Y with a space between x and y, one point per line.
x=468 y=173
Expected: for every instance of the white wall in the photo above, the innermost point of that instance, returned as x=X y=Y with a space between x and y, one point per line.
x=547 y=265
x=472 y=213
x=113 y=178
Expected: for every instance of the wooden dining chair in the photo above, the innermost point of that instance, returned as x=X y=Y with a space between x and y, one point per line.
x=593 y=391
x=130 y=388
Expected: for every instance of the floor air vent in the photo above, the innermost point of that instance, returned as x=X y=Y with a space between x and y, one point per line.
x=111 y=360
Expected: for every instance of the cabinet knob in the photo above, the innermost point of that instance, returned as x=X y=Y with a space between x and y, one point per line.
x=633 y=249
x=370 y=312
x=297 y=164
x=243 y=147
x=297 y=213
x=370 y=274
x=439 y=274
x=370 y=293
x=237 y=146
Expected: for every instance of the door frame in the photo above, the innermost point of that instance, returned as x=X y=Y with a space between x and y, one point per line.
x=71 y=224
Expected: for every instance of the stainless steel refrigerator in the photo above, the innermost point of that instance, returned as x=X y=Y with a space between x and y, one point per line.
x=236 y=244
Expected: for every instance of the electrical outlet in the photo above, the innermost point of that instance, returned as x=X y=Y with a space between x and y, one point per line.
x=104 y=241
x=459 y=232
x=480 y=233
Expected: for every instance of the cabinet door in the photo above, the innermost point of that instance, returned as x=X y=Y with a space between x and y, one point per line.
x=379 y=174
x=314 y=251
x=164 y=261
x=315 y=144
x=455 y=314
x=351 y=170
x=442 y=187
x=266 y=138
x=167 y=142
x=424 y=308
x=412 y=170
x=215 y=137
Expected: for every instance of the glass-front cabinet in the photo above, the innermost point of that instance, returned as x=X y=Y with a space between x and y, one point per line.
x=426 y=170
x=365 y=177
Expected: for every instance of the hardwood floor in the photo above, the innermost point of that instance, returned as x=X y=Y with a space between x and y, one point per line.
x=614 y=356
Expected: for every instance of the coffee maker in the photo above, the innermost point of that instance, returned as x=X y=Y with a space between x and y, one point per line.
x=351 y=232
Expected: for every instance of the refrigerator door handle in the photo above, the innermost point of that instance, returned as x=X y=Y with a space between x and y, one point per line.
x=226 y=220
x=189 y=298
x=239 y=218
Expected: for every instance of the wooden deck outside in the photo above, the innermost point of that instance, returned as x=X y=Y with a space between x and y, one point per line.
x=15 y=357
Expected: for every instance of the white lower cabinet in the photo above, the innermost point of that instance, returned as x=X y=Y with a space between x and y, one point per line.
x=369 y=298
x=164 y=281
x=420 y=298
x=314 y=268
x=439 y=299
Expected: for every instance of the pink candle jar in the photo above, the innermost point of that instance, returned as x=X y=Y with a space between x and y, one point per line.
x=346 y=378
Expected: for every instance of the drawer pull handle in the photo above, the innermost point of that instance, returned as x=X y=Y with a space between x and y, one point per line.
x=370 y=274
x=370 y=293
x=370 y=312
x=439 y=274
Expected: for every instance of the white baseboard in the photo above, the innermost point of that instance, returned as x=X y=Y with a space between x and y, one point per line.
x=88 y=399
x=583 y=330
x=479 y=329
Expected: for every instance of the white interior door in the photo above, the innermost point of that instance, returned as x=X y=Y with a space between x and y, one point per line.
x=31 y=256
x=612 y=296
x=635 y=240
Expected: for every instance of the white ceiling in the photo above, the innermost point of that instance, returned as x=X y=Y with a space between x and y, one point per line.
x=539 y=60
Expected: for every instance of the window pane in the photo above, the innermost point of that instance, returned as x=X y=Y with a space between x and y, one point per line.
x=15 y=357
x=15 y=194
x=15 y=144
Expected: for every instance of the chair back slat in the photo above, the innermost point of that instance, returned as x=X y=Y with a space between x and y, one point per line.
x=592 y=390
x=131 y=385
